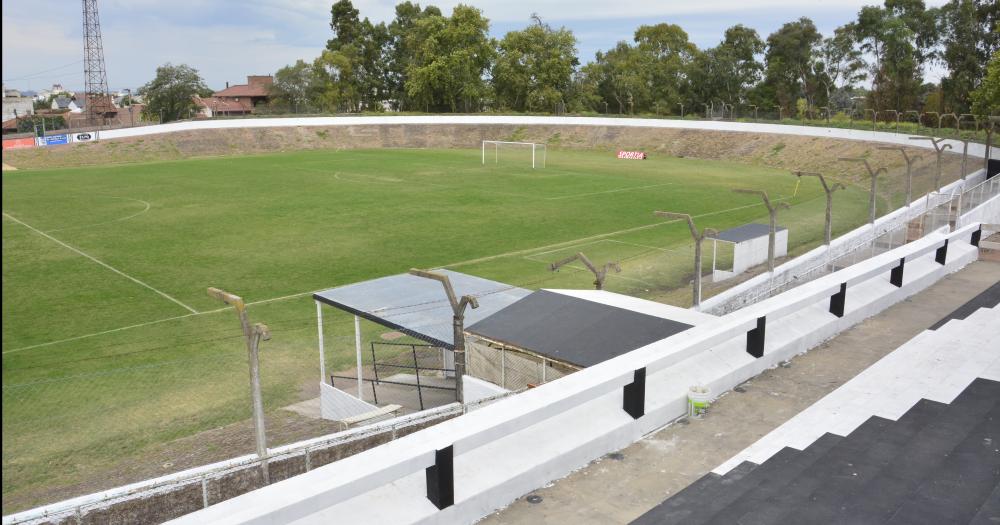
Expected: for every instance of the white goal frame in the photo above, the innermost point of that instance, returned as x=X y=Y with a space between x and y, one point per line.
x=534 y=148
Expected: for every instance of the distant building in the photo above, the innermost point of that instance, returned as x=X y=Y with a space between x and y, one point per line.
x=14 y=105
x=239 y=99
x=67 y=104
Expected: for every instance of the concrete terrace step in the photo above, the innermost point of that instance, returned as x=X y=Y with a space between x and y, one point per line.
x=938 y=463
x=936 y=365
x=777 y=479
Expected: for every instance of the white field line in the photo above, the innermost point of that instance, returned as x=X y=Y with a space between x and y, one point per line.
x=561 y=197
x=106 y=265
x=140 y=325
x=120 y=219
x=565 y=244
x=578 y=242
x=584 y=270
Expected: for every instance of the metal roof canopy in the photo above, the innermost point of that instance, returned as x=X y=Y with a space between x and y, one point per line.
x=573 y=330
x=419 y=307
x=746 y=232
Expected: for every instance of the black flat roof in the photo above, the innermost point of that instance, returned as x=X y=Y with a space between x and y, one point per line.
x=573 y=330
x=746 y=232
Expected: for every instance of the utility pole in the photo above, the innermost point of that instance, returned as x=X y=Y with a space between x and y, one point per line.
x=754 y=106
x=909 y=168
x=772 y=210
x=681 y=104
x=829 y=189
x=600 y=274
x=874 y=177
x=779 y=112
x=939 y=149
x=458 y=323
x=698 y=238
x=253 y=335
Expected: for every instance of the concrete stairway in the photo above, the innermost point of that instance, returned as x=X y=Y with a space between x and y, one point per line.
x=915 y=438
x=938 y=463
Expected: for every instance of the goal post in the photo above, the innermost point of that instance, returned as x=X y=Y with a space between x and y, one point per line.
x=539 y=151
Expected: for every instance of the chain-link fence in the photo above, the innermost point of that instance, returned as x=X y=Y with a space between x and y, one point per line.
x=510 y=368
x=414 y=376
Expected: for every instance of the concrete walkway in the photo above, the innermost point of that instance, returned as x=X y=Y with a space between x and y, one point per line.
x=620 y=487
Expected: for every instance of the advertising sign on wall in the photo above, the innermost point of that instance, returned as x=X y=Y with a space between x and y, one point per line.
x=53 y=140
x=632 y=155
x=25 y=142
x=84 y=137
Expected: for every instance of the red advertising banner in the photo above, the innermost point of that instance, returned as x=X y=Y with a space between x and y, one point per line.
x=632 y=155
x=25 y=142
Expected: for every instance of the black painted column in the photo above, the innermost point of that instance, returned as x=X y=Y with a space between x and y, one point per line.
x=838 y=300
x=634 y=402
x=942 y=253
x=441 y=478
x=755 y=339
x=977 y=236
x=896 y=277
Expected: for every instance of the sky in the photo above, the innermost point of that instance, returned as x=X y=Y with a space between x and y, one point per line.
x=226 y=40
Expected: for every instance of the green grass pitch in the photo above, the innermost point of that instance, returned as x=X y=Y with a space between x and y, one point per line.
x=111 y=346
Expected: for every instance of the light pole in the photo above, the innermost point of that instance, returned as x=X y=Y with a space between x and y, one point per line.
x=772 y=210
x=873 y=173
x=600 y=274
x=253 y=334
x=909 y=165
x=681 y=104
x=829 y=189
x=698 y=238
x=458 y=323
x=939 y=149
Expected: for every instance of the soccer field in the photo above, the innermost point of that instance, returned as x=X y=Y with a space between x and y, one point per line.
x=111 y=347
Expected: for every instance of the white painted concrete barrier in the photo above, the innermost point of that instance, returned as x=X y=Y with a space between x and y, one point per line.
x=975 y=150
x=520 y=443
x=800 y=267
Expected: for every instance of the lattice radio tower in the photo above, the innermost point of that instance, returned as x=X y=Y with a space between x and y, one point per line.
x=98 y=100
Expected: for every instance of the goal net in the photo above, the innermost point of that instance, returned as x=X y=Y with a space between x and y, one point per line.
x=515 y=152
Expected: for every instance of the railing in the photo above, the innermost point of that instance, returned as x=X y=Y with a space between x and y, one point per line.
x=436 y=447
x=928 y=214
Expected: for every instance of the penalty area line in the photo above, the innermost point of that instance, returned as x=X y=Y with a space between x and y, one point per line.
x=98 y=261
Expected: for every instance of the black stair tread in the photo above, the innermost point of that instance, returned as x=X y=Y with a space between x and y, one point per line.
x=777 y=479
x=987 y=299
x=956 y=490
x=989 y=513
x=843 y=460
x=878 y=499
x=787 y=497
x=680 y=506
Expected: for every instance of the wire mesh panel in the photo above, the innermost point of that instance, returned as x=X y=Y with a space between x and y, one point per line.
x=413 y=375
x=511 y=369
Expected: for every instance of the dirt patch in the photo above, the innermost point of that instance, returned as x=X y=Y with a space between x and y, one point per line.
x=8 y=167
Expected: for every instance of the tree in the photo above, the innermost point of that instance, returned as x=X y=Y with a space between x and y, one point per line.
x=735 y=63
x=791 y=64
x=986 y=98
x=450 y=57
x=399 y=54
x=534 y=67
x=839 y=66
x=969 y=34
x=291 y=85
x=171 y=93
x=669 y=54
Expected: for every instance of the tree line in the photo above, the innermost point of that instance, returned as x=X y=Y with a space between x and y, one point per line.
x=425 y=61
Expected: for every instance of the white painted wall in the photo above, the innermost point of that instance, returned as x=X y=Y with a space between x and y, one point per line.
x=751 y=290
x=975 y=150
x=335 y=404
x=523 y=442
x=475 y=389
